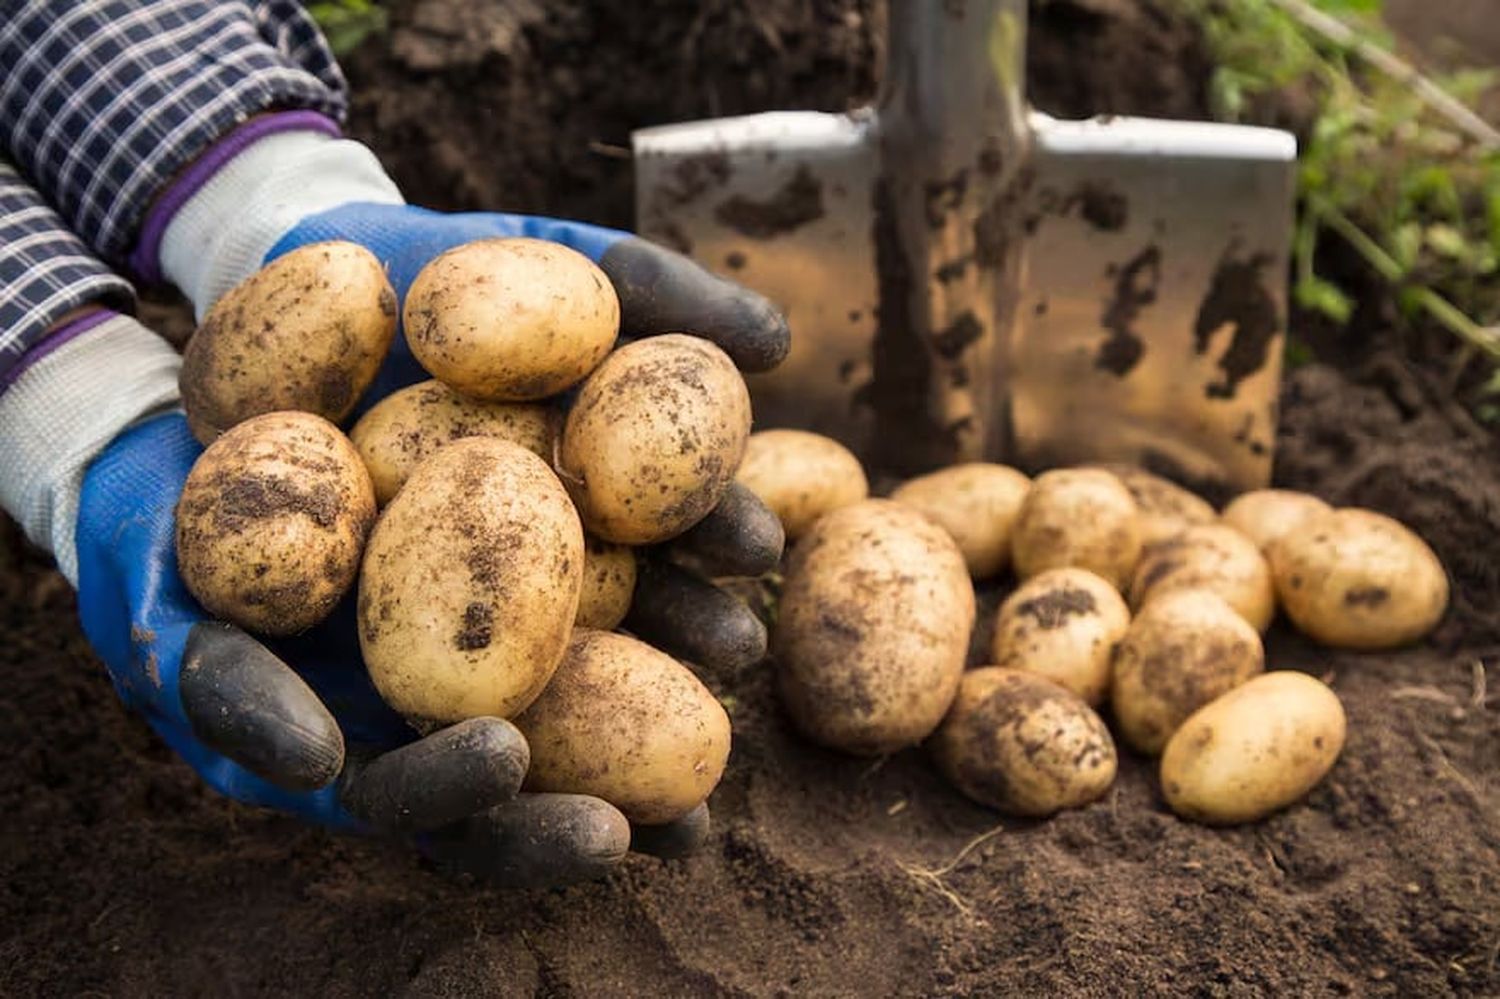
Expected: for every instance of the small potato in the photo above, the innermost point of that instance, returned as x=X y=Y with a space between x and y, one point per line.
x=1166 y=508
x=271 y=522
x=1183 y=650
x=654 y=439
x=1078 y=517
x=470 y=584
x=608 y=584
x=1062 y=624
x=1208 y=557
x=801 y=476
x=873 y=628
x=508 y=320
x=628 y=724
x=408 y=426
x=1254 y=750
x=1023 y=745
x=1264 y=515
x=1356 y=579
x=306 y=332
x=978 y=504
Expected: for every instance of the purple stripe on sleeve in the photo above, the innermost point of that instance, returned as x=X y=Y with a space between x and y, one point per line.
x=54 y=340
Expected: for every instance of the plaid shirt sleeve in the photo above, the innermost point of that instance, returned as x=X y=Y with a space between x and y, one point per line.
x=45 y=271
x=103 y=102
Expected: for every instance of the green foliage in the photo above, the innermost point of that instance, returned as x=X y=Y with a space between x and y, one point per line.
x=347 y=23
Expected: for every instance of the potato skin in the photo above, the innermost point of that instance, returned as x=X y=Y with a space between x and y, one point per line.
x=978 y=504
x=1166 y=508
x=1023 y=745
x=408 y=426
x=1265 y=515
x=801 y=476
x=1081 y=517
x=1184 y=649
x=1357 y=579
x=307 y=332
x=1254 y=750
x=1209 y=557
x=654 y=438
x=271 y=522
x=628 y=724
x=510 y=320
x=608 y=584
x=1062 y=624
x=873 y=628
x=470 y=584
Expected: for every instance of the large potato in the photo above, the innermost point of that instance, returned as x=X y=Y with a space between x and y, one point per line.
x=801 y=476
x=271 y=522
x=1078 y=517
x=1062 y=624
x=1254 y=750
x=873 y=628
x=470 y=584
x=1208 y=557
x=655 y=438
x=978 y=504
x=608 y=584
x=1359 y=580
x=1264 y=515
x=307 y=332
x=628 y=724
x=408 y=426
x=1023 y=745
x=1183 y=650
x=1166 y=508
x=507 y=320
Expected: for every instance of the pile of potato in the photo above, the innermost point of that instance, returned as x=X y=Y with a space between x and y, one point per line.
x=1135 y=598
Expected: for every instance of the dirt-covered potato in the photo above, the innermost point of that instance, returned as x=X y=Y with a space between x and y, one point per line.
x=1254 y=750
x=410 y=425
x=608 y=584
x=307 y=332
x=978 y=504
x=1166 y=508
x=873 y=628
x=1062 y=624
x=801 y=476
x=508 y=320
x=655 y=438
x=1023 y=745
x=1357 y=579
x=1208 y=557
x=1184 y=649
x=470 y=584
x=628 y=724
x=271 y=522
x=1078 y=517
x=1264 y=515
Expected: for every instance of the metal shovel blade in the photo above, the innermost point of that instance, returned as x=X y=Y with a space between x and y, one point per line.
x=966 y=279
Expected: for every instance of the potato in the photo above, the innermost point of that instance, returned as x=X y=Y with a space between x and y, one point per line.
x=470 y=584
x=1357 y=579
x=508 y=320
x=409 y=426
x=1078 y=517
x=1264 y=515
x=307 y=332
x=1208 y=557
x=801 y=476
x=655 y=438
x=1062 y=624
x=1023 y=745
x=978 y=504
x=271 y=522
x=1183 y=650
x=1166 y=508
x=628 y=724
x=1254 y=750
x=608 y=584
x=873 y=628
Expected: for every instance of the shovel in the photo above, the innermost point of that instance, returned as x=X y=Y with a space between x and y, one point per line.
x=967 y=279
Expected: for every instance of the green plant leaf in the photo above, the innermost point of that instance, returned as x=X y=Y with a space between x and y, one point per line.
x=1319 y=295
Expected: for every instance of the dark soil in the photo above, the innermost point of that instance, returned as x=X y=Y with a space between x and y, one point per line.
x=123 y=876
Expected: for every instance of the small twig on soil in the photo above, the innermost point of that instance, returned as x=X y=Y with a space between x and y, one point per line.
x=1421 y=694
x=609 y=149
x=1434 y=747
x=1476 y=696
x=873 y=768
x=933 y=876
x=897 y=808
